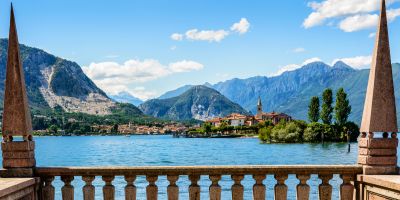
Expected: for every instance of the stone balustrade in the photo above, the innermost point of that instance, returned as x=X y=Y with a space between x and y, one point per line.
x=348 y=174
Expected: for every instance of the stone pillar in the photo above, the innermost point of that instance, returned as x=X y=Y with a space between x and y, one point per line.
x=378 y=155
x=18 y=156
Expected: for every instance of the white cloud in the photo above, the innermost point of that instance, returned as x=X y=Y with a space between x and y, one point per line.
x=299 y=50
x=177 y=36
x=208 y=35
x=358 y=62
x=372 y=35
x=351 y=10
x=173 y=48
x=185 y=66
x=241 y=27
x=142 y=93
x=365 y=21
x=114 y=78
x=292 y=67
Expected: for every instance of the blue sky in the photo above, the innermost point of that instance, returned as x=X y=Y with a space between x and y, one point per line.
x=126 y=45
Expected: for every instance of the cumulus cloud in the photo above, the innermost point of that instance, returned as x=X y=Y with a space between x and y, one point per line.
x=185 y=66
x=207 y=35
x=365 y=21
x=358 y=62
x=177 y=36
x=240 y=27
x=113 y=77
x=142 y=93
x=357 y=13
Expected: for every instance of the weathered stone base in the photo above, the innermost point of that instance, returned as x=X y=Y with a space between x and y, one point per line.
x=378 y=156
x=18 y=154
x=17 y=172
x=381 y=170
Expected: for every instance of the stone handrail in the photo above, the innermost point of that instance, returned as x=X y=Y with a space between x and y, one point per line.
x=325 y=173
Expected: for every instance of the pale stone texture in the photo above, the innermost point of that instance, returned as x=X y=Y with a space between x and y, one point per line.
x=380 y=108
x=130 y=188
x=16 y=113
x=379 y=155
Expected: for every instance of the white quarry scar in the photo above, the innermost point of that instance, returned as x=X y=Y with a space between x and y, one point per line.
x=94 y=103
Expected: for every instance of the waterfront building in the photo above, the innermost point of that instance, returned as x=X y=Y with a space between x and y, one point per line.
x=274 y=117
x=374 y=176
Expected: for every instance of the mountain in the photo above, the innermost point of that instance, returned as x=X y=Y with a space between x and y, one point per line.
x=291 y=91
x=199 y=102
x=125 y=97
x=55 y=82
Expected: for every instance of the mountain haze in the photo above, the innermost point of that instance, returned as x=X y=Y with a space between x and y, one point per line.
x=125 y=97
x=291 y=91
x=199 y=102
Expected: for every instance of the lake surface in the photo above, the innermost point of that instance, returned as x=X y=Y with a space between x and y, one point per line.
x=166 y=151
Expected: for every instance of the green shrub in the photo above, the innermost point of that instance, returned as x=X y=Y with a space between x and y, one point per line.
x=265 y=134
x=287 y=132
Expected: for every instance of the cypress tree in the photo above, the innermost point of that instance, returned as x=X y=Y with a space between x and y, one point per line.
x=342 y=107
x=313 y=110
x=327 y=109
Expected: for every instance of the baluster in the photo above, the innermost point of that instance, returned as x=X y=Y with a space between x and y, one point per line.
x=152 y=189
x=237 y=187
x=130 y=188
x=67 y=190
x=259 y=187
x=346 y=188
x=108 y=188
x=173 y=189
x=215 y=189
x=325 y=189
x=88 y=190
x=280 y=187
x=194 y=188
x=303 y=190
x=48 y=189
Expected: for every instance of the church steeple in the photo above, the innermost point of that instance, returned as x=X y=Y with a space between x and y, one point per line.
x=259 y=106
x=380 y=109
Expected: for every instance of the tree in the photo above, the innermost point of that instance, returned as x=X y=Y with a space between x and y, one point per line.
x=207 y=127
x=327 y=109
x=342 y=107
x=313 y=110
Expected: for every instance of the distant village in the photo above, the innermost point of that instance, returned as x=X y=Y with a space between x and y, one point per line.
x=233 y=120
x=236 y=119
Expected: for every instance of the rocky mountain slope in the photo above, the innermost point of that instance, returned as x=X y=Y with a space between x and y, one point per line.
x=55 y=82
x=291 y=91
x=199 y=102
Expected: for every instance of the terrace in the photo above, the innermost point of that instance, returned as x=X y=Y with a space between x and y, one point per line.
x=374 y=175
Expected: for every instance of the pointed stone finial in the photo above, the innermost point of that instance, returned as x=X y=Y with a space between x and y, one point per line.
x=16 y=114
x=380 y=109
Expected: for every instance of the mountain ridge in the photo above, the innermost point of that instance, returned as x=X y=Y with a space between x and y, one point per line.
x=199 y=102
x=291 y=91
x=53 y=82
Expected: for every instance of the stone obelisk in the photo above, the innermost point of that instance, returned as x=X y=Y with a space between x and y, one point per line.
x=378 y=155
x=16 y=114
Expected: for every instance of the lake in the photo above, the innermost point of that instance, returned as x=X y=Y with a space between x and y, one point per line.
x=166 y=151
